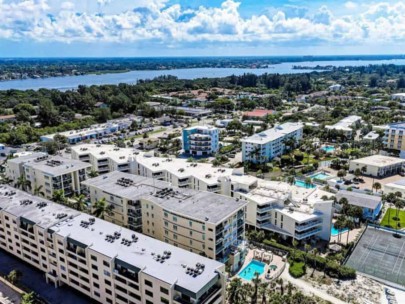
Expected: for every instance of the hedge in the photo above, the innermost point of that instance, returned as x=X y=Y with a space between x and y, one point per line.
x=297 y=269
x=331 y=268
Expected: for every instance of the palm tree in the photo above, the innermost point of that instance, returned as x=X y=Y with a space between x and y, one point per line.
x=93 y=173
x=377 y=186
x=23 y=183
x=307 y=247
x=101 y=208
x=256 y=281
x=263 y=292
x=58 y=196
x=307 y=181
x=38 y=191
x=80 y=203
x=14 y=276
x=234 y=291
x=314 y=252
x=5 y=180
x=349 y=225
x=291 y=180
x=357 y=173
x=339 y=225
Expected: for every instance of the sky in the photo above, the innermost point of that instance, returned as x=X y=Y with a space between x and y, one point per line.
x=143 y=28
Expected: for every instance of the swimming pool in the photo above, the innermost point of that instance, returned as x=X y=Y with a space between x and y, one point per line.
x=335 y=232
x=248 y=273
x=320 y=175
x=328 y=149
x=302 y=184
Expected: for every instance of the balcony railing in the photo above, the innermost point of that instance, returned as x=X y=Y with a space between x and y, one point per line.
x=301 y=236
x=307 y=226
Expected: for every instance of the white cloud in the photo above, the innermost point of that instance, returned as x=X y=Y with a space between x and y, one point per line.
x=158 y=22
x=350 y=5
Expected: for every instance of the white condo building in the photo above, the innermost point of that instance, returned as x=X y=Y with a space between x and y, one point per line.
x=47 y=173
x=200 y=140
x=268 y=144
x=105 y=262
x=346 y=125
x=264 y=197
x=202 y=222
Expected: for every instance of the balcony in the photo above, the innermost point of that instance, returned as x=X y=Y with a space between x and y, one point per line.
x=263 y=217
x=265 y=209
x=300 y=236
x=307 y=225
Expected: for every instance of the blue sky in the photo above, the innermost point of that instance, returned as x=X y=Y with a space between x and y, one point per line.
x=33 y=28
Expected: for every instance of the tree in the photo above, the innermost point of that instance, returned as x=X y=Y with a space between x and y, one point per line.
x=23 y=183
x=38 y=191
x=341 y=174
x=80 y=203
x=101 y=208
x=308 y=181
x=256 y=281
x=234 y=291
x=93 y=173
x=350 y=226
x=14 y=276
x=28 y=298
x=377 y=186
x=48 y=115
x=58 y=196
x=357 y=173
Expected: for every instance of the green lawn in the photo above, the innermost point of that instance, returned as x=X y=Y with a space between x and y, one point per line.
x=389 y=219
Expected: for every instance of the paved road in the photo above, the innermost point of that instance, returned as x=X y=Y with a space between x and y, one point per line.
x=308 y=289
x=35 y=280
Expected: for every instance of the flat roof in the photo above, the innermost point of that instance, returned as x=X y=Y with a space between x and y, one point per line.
x=297 y=215
x=119 y=155
x=274 y=133
x=200 y=205
x=56 y=165
x=12 y=201
x=269 y=192
x=142 y=253
x=258 y=113
x=24 y=158
x=379 y=160
x=359 y=199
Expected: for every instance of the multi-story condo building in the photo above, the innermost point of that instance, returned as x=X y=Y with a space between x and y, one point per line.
x=104 y=158
x=200 y=140
x=264 y=197
x=346 y=125
x=202 y=222
x=106 y=262
x=271 y=143
x=49 y=173
x=274 y=207
x=393 y=136
x=93 y=132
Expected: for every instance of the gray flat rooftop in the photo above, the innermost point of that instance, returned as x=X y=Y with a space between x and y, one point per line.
x=200 y=205
x=65 y=166
x=359 y=199
x=25 y=158
x=23 y=204
x=142 y=253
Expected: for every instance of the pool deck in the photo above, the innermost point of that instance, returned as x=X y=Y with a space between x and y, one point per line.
x=343 y=239
x=275 y=260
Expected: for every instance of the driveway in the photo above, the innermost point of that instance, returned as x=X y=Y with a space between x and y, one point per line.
x=35 y=280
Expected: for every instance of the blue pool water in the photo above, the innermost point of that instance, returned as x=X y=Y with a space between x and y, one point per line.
x=302 y=184
x=334 y=231
x=328 y=149
x=248 y=273
x=320 y=175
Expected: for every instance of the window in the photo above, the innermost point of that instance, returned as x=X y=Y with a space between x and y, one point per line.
x=107 y=273
x=94 y=258
x=105 y=263
x=149 y=293
x=96 y=285
x=191 y=233
x=109 y=300
x=62 y=267
x=164 y=300
x=96 y=294
x=107 y=282
x=175 y=227
x=175 y=236
x=94 y=267
x=148 y=283
x=149 y=302
x=175 y=218
x=108 y=291
x=95 y=276
x=164 y=290
x=190 y=223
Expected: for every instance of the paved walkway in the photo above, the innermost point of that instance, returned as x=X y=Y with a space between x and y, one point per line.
x=308 y=289
x=35 y=280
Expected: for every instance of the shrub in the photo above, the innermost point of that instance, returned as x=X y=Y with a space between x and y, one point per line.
x=297 y=269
